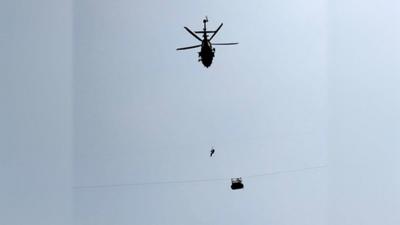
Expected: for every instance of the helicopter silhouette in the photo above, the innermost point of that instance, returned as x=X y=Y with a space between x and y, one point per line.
x=207 y=51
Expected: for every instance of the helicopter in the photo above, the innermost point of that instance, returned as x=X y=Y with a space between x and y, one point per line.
x=207 y=51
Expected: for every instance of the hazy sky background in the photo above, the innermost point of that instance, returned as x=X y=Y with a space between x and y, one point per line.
x=36 y=120
x=145 y=112
x=94 y=93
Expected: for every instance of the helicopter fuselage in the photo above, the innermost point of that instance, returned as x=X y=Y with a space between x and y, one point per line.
x=206 y=53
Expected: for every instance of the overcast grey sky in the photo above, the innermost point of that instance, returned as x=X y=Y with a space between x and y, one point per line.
x=94 y=93
x=145 y=112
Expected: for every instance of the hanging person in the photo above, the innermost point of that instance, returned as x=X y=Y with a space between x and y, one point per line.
x=212 y=151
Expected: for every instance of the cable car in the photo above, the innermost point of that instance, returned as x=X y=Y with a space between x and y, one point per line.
x=237 y=183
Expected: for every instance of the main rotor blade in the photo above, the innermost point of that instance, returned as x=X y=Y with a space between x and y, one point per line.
x=194 y=35
x=194 y=46
x=235 y=43
x=202 y=32
x=216 y=31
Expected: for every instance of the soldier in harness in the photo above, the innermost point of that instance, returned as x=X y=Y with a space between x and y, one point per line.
x=212 y=151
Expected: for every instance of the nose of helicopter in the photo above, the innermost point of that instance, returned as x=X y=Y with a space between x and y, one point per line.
x=207 y=63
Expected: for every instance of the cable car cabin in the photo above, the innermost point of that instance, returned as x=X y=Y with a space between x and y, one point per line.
x=236 y=183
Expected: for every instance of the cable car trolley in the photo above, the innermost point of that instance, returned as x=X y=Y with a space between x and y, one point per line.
x=237 y=183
